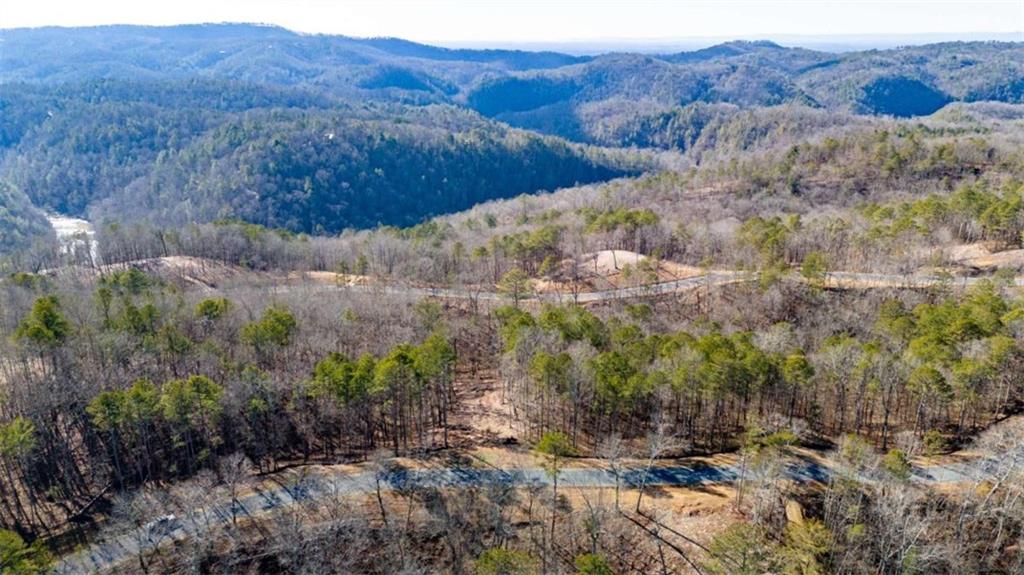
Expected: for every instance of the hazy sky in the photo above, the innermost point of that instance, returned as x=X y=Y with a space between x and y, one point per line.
x=542 y=20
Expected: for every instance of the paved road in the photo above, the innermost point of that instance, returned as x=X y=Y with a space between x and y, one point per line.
x=714 y=278
x=125 y=547
x=838 y=280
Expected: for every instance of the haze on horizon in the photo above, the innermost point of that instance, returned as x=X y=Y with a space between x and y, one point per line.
x=537 y=22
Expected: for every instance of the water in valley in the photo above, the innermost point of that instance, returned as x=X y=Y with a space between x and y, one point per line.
x=77 y=238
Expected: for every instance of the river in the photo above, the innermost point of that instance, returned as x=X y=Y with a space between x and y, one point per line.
x=76 y=237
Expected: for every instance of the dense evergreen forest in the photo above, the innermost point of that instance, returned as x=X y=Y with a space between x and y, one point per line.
x=371 y=306
x=171 y=152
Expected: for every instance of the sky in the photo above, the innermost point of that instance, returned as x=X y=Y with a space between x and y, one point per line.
x=539 y=21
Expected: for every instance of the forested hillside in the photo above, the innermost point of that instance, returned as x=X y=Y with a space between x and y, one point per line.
x=326 y=172
x=902 y=82
x=21 y=223
x=194 y=150
x=553 y=92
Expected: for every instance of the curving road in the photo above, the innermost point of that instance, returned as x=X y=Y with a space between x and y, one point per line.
x=715 y=278
x=74 y=234
x=125 y=547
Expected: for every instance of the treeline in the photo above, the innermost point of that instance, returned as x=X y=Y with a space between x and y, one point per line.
x=132 y=382
x=870 y=160
x=395 y=253
x=972 y=213
x=701 y=128
x=348 y=406
x=940 y=368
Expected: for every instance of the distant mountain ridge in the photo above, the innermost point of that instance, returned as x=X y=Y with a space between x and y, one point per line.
x=500 y=82
x=30 y=54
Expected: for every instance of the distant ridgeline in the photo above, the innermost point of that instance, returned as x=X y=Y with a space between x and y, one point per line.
x=322 y=133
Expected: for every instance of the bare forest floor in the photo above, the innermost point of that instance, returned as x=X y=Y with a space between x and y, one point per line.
x=481 y=415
